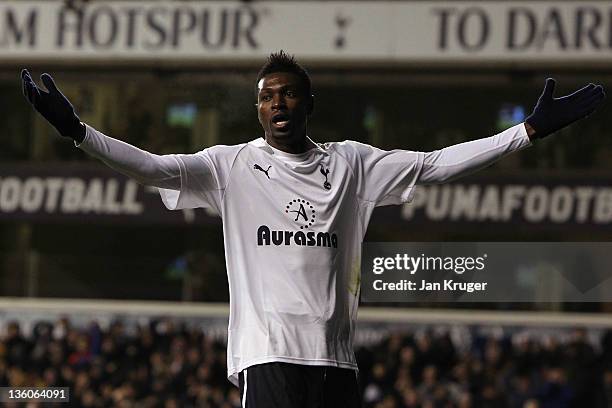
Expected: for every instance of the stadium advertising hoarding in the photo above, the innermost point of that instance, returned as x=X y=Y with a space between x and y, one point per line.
x=91 y=192
x=84 y=193
x=523 y=200
x=408 y=32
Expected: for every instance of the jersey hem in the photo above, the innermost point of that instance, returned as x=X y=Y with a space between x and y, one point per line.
x=232 y=374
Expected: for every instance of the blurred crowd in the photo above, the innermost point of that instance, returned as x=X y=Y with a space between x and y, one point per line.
x=166 y=364
x=157 y=365
x=428 y=371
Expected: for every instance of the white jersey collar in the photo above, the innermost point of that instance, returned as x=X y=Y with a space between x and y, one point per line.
x=262 y=144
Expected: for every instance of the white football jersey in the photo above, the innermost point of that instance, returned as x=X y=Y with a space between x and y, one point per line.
x=293 y=228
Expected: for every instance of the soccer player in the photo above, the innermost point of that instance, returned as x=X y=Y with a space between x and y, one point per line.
x=294 y=215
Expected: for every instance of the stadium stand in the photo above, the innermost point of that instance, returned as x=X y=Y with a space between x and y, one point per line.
x=135 y=359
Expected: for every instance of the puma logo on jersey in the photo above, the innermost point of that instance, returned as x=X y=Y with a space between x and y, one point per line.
x=325 y=172
x=258 y=167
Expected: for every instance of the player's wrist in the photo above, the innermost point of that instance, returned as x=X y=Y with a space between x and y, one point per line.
x=75 y=130
x=79 y=133
x=541 y=123
x=531 y=133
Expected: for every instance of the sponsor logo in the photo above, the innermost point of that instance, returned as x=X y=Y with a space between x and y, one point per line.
x=511 y=203
x=258 y=167
x=266 y=236
x=303 y=216
x=303 y=213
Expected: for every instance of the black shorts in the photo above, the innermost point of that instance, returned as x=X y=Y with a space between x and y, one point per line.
x=284 y=385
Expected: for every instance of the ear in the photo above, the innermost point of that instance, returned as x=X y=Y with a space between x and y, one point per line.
x=310 y=106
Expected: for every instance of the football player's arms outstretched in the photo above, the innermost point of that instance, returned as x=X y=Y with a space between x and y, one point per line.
x=146 y=168
x=549 y=115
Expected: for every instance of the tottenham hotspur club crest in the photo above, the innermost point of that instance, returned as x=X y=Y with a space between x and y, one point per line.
x=325 y=172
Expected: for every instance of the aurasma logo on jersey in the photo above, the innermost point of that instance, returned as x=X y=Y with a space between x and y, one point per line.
x=304 y=215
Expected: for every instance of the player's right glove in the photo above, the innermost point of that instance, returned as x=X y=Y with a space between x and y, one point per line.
x=53 y=106
x=552 y=114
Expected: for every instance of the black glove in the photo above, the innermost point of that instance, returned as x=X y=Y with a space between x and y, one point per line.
x=551 y=114
x=53 y=105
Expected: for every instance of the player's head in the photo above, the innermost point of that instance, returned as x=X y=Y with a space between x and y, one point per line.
x=283 y=62
x=284 y=100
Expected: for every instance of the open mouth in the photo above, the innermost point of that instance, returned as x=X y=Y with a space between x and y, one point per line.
x=280 y=120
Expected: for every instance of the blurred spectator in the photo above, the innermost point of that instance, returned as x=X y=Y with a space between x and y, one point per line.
x=164 y=364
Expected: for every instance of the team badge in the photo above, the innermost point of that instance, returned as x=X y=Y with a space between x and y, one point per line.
x=325 y=172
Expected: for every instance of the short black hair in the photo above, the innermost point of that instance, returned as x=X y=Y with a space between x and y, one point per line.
x=283 y=62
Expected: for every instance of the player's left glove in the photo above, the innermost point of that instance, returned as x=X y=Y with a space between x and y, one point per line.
x=53 y=106
x=552 y=114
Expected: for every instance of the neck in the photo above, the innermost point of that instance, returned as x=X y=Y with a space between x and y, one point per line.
x=294 y=147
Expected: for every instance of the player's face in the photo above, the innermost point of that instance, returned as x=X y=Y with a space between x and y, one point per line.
x=282 y=109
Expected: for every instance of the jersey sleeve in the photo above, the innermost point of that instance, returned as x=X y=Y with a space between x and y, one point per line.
x=462 y=159
x=147 y=168
x=203 y=178
x=384 y=177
